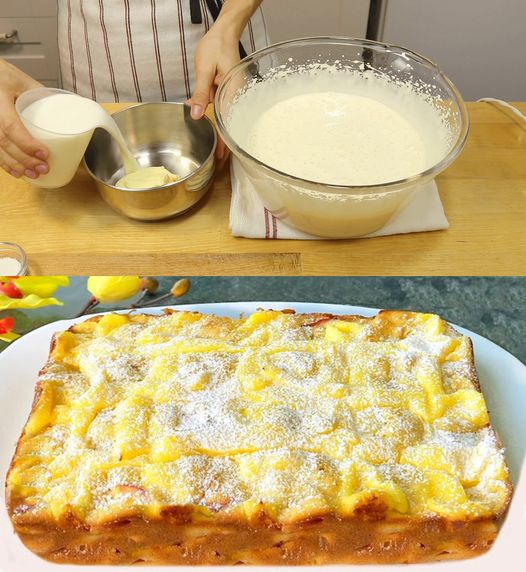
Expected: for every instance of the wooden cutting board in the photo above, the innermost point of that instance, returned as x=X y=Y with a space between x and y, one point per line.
x=73 y=231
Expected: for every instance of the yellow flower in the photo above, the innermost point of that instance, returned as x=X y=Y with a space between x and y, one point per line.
x=9 y=337
x=28 y=302
x=113 y=288
x=41 y=286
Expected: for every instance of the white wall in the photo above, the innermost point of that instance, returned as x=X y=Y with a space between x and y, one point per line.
x=287 y=19
x=480 y=44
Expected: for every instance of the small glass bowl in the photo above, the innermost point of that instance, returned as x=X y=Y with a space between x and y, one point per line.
x=12 y=250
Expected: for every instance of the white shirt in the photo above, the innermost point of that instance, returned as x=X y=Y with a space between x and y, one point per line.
x=135 y=50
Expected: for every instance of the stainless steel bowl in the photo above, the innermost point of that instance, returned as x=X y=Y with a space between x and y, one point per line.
x=157 y=134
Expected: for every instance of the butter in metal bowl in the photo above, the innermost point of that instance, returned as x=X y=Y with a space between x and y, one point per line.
x=147 y=178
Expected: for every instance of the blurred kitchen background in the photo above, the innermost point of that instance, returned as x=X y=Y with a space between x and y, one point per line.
x=480 y=44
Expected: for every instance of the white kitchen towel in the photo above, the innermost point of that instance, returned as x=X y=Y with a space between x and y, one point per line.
x=249 y=217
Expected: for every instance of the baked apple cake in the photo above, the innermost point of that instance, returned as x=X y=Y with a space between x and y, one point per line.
x=277 y=438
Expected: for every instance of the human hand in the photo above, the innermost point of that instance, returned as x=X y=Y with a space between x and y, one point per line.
x=20 y=153
x=217 y=52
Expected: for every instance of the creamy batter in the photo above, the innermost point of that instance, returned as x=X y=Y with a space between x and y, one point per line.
x=338 y=138
x=339 y=128
x=147 y=177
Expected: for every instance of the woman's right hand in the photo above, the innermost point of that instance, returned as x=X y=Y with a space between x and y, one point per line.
x=20 y=153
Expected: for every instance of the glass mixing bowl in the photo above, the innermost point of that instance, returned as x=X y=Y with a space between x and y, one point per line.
x=328 y=210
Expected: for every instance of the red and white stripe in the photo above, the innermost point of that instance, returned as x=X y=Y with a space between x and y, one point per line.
x=271 y=224
x=135 y=50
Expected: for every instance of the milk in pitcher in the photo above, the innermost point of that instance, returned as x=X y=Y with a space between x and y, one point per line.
x=65 y=122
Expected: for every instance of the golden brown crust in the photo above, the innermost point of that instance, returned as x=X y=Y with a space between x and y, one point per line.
x=180 y=536
x=322 y=540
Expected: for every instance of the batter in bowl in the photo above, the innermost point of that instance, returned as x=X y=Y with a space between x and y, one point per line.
x=338 y=138
x=338 y=127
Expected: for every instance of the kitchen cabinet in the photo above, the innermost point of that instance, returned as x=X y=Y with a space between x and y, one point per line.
x=287 y=19
x=33 y=48
x=480 y=44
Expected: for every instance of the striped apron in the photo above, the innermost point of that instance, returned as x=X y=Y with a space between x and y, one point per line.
x=136 y=50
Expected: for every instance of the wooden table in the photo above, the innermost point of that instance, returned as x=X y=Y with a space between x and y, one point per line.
x=72 y=230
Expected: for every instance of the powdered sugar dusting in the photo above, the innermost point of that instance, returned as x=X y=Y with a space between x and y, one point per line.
x=196 y=410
